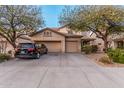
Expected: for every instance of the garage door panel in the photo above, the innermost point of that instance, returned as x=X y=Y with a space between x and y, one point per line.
x=53 y=46
x=71 y=46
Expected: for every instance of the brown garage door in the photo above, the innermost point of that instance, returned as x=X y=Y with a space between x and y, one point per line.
x=71 y=46
x=53 y=46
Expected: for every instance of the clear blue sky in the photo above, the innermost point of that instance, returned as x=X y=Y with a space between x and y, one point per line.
x=51 y=14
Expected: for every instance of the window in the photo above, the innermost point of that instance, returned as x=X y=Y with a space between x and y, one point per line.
x=120 y=44
x=44 y=34
x=25 y=45
x=38 y=45
x=86 y=42
x=70 y=32
x=47 y=34
x=43 y=46
x=99 y=44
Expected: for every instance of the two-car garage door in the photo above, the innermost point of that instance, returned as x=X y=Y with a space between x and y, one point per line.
x=53 y=46
x=56 y=46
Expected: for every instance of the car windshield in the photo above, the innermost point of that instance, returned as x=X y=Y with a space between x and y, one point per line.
x=25 y=45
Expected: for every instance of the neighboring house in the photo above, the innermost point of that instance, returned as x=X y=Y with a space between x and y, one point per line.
x=91 y=39
x=58 y=40
x=114 y=41
x=117 y=41
x=5 y=46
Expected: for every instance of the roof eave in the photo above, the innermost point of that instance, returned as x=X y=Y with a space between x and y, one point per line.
x=47 y=29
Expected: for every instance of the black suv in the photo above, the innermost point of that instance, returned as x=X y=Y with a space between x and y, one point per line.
x=30 y=50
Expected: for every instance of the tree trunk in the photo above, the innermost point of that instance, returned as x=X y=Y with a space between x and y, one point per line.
x=105 y=46
x=13 y=51
x=14 y=45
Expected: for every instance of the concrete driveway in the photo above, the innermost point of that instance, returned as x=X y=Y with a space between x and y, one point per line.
x=59 y=70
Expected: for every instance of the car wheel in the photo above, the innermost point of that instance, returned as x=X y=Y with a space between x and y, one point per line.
x=37 y=55
x=46 y=51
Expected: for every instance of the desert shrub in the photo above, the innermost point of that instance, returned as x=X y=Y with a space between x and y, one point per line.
x=10 y=52
x=4 y=57
x=117 y=55
x=87 y=49
x=114 y=55
x=109 y=49
x=105 y=60
x=121 y=58
x=94 y=48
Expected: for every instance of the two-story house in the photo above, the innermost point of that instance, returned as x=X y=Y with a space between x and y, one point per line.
x=58 y=40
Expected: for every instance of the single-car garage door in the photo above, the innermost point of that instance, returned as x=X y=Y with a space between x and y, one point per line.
x=53 y=46
x=71 y=46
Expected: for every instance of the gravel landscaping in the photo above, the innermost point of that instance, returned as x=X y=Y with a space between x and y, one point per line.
x=96 y=56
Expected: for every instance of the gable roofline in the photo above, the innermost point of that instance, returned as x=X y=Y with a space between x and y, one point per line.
x=47 y=28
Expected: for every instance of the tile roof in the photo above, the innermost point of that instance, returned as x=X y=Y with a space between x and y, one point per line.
x=47 y=29
x=56 y=30
x=119 y=39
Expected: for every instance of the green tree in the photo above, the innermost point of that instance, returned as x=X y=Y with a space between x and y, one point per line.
x=101 y=20
x=16 y=21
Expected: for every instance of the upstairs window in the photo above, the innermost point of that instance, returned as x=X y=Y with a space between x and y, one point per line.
x=70 y=32
x=47 y=34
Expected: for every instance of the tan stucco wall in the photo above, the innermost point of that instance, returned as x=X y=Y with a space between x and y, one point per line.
x=40 y=36
x=54 y=37
x=57 y=37
x=63 y=30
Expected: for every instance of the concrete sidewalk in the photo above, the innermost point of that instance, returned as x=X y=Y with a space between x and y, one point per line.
x=58 y=70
